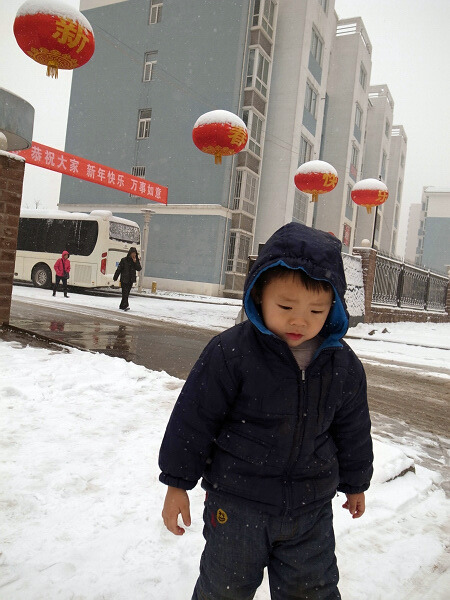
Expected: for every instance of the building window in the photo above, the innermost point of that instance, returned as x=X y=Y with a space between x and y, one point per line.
x=155 y=11
x=266 y=14
x=267 y=17
x=310 y=99
x=399 y=190
x=238 y=252
x=358 y=116
x=306 y=151
x=349 y=204
x=387 y=129
x=149 y=65
x=300 y=210
x=145 y=117
x=256 y=13
x=383 y=166
x=324 y=5
x=245 y=190
x=257 y=77
x=402 y=160
x=354 y=162
x=254 y=126
x=316 y=46
x=362 y=76
x=137 y=172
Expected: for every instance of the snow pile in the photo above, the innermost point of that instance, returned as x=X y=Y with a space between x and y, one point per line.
x=54 y=7
x=81 y=501
x=220 y=116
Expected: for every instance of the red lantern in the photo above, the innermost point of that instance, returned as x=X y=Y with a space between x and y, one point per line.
x=221 y=133
x=53 y=33
x=369 y=193
x=316 y=177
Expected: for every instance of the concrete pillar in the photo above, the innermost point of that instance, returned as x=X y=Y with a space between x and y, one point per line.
x=12 y=170
x=368 y=259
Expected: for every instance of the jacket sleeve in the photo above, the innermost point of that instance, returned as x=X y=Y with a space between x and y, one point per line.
x=118 y=270
x=197 y=418
x=351 y=434
x=137 y=265
x=57 y=267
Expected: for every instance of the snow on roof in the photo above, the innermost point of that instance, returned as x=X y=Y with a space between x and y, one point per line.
x=220 y=116
x=53 y=7
x=370 y=184
x=316 y=166
x=95 y=215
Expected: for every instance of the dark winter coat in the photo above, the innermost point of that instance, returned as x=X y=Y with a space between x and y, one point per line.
x=253 y=424
x=127 y=268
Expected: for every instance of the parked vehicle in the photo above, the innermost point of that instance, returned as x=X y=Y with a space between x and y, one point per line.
x=96 y=243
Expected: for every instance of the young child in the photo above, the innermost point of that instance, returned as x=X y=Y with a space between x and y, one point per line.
x=274 y=417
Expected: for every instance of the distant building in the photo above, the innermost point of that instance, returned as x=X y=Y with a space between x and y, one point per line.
x=433 y=248
x=375 y=160
x=412 y=234
x=394 y=181
x=346 y=121
x=298 y=77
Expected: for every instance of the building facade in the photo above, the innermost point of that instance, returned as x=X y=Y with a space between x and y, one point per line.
x=297 y=76
x=433 y=245
x=346 y=121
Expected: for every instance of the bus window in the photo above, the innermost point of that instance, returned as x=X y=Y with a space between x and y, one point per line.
x=122 y=232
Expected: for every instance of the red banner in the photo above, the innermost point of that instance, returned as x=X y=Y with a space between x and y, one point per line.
x=75 y=166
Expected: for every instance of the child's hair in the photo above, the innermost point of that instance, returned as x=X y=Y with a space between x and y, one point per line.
x=314 y=285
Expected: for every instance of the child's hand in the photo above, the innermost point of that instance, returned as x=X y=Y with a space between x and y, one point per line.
x=176 y=502
x=356 y=504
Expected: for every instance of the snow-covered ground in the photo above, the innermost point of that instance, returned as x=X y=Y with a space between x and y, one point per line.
x=79 y=493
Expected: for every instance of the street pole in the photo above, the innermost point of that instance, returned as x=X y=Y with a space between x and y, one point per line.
x=147 y=212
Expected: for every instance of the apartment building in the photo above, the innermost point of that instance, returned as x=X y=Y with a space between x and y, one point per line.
x=298 y=77
x=433 y=246
x=412 y=232
x=375 y=162
x=394 y=181
x=346 y=118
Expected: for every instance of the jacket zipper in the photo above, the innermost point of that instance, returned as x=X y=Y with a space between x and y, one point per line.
x=298 y=438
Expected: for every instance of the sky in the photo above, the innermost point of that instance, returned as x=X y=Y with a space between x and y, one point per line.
x=79 y=490
x=410 y=48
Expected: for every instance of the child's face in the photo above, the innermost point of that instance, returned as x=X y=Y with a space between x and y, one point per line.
x=292 y=312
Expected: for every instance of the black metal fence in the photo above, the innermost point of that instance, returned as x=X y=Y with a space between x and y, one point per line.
x=407 y=286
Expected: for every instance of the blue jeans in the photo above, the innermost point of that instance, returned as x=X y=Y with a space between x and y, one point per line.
x=241 y=541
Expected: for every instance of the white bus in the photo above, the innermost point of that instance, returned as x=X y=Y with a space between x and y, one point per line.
x=96 y=243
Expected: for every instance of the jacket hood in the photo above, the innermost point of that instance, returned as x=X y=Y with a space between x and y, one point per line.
x=132 y=249
x=297 y=246
x=65 y=253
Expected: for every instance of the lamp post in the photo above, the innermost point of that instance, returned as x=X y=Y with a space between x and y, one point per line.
x=147 y=212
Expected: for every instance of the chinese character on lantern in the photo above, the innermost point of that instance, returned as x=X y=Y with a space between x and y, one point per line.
x=316 y=177
x=369 y=193
x=220 y=133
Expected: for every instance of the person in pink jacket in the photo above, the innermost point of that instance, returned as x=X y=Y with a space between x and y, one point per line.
x=62 y=270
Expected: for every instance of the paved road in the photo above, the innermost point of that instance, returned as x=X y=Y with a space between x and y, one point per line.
x=418 y=398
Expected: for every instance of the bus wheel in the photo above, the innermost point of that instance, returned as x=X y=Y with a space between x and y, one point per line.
x=41 y=276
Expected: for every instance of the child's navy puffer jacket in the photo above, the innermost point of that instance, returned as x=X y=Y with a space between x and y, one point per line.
x=252 y=424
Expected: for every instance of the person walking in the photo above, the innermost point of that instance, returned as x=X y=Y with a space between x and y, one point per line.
x=62 y=270
x=126 y=270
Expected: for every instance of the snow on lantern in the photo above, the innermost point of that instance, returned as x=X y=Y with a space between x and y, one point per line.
x=220 y=133
x=53 y=33
x=316 y=177
x=369 y=193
